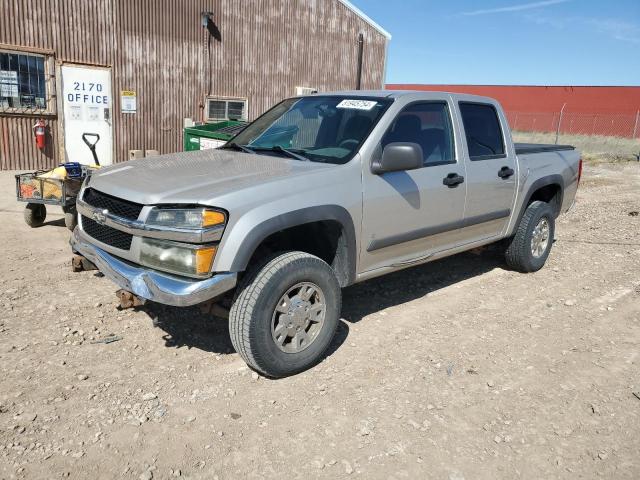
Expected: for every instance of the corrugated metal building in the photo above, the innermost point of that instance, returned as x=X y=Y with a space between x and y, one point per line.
x=134 y=71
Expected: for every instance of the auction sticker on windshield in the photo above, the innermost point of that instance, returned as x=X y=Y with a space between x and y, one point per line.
x=357 y=104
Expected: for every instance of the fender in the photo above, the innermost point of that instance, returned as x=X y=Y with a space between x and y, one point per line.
x=538 y=184
x=293 y=219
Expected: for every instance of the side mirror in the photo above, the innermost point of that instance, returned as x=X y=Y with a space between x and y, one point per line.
x=397 y=157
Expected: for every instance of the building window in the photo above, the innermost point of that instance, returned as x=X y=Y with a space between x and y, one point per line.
x=23 y=82
x=221 y=109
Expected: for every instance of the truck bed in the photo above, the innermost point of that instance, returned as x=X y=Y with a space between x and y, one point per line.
x=524 y=148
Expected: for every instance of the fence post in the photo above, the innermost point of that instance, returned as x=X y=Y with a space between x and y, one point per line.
x=635 y=127
x=559 y=122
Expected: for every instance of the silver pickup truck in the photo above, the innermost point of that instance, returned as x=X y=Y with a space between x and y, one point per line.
x=321 y=192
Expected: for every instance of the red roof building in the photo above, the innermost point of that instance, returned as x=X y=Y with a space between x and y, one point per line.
x=588 y=110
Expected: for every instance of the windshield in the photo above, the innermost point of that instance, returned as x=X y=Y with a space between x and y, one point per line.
x=327 y=129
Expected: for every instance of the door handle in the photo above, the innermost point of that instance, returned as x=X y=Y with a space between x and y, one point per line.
x=452 y=180
x=506 y=172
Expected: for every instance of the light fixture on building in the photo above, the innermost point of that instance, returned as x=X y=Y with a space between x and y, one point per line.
x=205 y=18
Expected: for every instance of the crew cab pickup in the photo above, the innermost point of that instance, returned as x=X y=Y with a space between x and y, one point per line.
x=318 y=193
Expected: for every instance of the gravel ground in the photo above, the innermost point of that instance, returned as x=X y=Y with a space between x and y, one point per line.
x=452 y=370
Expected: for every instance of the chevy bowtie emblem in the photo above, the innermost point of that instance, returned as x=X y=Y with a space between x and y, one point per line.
x=100 y=216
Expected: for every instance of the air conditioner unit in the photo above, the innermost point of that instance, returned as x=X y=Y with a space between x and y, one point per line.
x=306 y=91
x=220 y=109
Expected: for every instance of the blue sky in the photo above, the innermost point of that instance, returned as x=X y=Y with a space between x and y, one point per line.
x=513 y=42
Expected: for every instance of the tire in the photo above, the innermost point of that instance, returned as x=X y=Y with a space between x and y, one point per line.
x=70 y=218
x=520 y=254
x=34 y=214
x=254 y=322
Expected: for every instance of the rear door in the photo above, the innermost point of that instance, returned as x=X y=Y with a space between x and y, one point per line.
x=411 y=214
x=491 y=170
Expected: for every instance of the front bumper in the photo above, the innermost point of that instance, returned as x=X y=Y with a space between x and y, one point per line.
x=150 y=284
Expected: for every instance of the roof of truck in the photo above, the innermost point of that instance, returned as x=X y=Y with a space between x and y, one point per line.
x=402 y=93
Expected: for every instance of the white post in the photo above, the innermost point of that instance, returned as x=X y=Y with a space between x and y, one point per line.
x=559 y=122
x=635 y=127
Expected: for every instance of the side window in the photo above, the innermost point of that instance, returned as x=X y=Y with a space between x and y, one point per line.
x=429 y=125
x=482 y=129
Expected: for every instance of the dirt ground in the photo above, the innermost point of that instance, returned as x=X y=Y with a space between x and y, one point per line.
x=459 y=369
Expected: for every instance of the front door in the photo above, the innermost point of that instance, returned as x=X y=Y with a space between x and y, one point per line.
x=87 y=106
x=409 y=215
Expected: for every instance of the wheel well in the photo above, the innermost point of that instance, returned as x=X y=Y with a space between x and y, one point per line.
x=551 y=194
x=324 y=239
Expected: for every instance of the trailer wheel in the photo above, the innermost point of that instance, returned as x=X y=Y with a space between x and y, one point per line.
x=70 y=218
x=34 y=214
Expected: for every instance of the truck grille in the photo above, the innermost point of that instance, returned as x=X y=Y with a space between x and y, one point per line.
x=110 y=236
x=116 y=206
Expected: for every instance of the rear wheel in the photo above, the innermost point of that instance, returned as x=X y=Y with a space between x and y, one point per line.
x=529 y=248
x=34 y=214
x=285 y=314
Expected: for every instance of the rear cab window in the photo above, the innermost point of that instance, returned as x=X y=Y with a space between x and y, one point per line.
x=482 y=130
x=429 y=125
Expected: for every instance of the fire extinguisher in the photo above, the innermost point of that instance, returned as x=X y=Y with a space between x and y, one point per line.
x=40 y=131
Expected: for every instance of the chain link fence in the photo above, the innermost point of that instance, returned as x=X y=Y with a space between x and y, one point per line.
x=605 y=136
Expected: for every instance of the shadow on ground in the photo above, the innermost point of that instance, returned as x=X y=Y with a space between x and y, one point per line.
x=58 y=222
x=403 y=286
x=190 y=328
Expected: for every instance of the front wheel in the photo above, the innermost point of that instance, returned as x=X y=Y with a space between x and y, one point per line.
x=529 y=248
x=285 y=314
x=70 y=218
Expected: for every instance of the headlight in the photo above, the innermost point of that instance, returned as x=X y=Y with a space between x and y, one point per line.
x=185 y=218
x=179 y=258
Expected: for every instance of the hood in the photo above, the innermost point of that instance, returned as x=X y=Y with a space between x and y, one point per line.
x=195 y=177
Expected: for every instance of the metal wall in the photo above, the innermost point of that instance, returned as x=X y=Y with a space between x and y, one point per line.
x=158 y=49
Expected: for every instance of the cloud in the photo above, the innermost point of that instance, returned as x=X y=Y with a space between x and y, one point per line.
x=555 y=21
x=616 y=29
x=515 y=8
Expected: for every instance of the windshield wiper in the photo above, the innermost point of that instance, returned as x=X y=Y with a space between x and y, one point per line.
x=291 y=153
x=277 y=148
x=236 y=146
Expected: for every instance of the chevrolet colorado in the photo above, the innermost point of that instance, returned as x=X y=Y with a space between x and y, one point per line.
x=318 y=193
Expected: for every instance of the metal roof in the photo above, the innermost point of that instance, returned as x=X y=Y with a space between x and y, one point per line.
x=365 y=17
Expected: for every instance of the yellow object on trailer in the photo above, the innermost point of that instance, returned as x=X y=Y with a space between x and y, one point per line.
x=51 y=190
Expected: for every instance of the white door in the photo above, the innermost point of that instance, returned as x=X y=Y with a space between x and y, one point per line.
x=87 y=103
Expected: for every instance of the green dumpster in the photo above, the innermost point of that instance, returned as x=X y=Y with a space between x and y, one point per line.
x=211 y=135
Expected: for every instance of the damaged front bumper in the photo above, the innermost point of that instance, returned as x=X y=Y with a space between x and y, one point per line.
x=150 y=284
